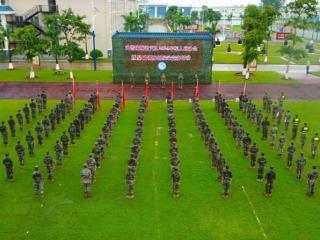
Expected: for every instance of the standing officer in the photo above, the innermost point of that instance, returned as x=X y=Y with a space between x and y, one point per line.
x=21 y=153
x=30 y=142
x=20 y=119
x=86 y=180
x=8 y=164
x=4 y=133
x=49 y=164
x=37 y=181
x=312 y=177
x=301 y=163
x=304 y=132
x=295 y=126
x=12 y=127
x=226 y=180
x=270 y=177
x=314 y=145
x=262 y=161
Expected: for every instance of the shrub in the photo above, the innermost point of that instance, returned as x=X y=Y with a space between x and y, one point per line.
x=99 y=53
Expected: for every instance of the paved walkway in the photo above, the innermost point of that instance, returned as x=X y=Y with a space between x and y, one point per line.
x=58 y=90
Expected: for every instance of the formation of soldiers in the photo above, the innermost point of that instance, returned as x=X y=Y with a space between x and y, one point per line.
x=23 y=117
x=216 y=155
x=130 y=176
x=88 y=173
x=279 y=115
x=244 y=140
x=61 y=147
x=175 y=161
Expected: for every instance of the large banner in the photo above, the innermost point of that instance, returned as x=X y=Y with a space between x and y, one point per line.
x=137 y=56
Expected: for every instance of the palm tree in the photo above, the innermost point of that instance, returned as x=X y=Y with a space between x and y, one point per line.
x=214 y=31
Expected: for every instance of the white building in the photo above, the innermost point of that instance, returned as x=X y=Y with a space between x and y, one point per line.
x=108 y=18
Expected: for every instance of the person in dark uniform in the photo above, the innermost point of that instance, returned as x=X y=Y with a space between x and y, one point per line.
x=39 y=131
x=304 y=133
x=21 y=153
x=4 y=133
x=301 y=163
x=291 y=150
x=270 y=177
x=37 y=182
x=20 y=119
x=33 y=107
x=312 y=177
x=26 y=112
x=265 y=126
x=262 y=161
x=246 y=144
x=253 y=155
x=226 y=181
x=12 y=126
x=8 y=164
x=49 y=164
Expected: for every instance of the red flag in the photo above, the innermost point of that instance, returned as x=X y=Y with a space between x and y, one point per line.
x=172 y=90
x=147 y=93
x=98 y=96
x=245 y=88
x=73 y=91
x=123 y=98
x=197 y=93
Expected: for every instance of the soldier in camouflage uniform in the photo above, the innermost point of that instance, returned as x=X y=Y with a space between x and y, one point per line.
x=282 y=142
x=57 y=112
x=262 y=161
x=63 y=109
x=72 y=133
x=44 y=99
x=287 y=119
x=8 y=164
x=301 y=163
x=291 y=150
x=39 y=103
x=26 y=112
x=312 y=177
x=52 y=117
x=33 y=107
x=21 y=153
x=92 y=165
x=30 y=142
x=20 y=119
x=39 y=131
x=253 y=155
x=59 y=151
x=65 y=143
x=86 y=180
x=12 y=126
x=37 y=181
x=273 y=132
x=49 y=164
x=46 y=126
x=4 y=133
x=270 y=177
x=226 y=181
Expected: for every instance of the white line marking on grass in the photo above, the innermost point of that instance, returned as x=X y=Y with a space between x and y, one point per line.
x=254 y=213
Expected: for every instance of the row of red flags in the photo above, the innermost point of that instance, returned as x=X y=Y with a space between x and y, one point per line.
x=147 y=92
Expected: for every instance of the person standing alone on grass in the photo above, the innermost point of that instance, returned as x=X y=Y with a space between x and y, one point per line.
x=270 y=177
x=312 y=177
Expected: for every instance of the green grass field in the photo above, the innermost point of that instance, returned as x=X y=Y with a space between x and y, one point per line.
x=221 y=55
x=105 y=76
x=199 y=213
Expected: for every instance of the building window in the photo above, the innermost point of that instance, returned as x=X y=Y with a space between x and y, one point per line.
x=161 y=12
x=151 y=12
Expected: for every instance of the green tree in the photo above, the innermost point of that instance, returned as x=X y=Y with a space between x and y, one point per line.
x=300 y=11
x=73 y=32
x=255 y=31
x=184 y=21
x=130 y=22
x=135 y=22
x=30 y=44
x=276 y=4
x=269 y=15
x=172 y=17
x=194 y=17
x=6 y=34
x=291 y=52
x=53 y=34
x=214 y=31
